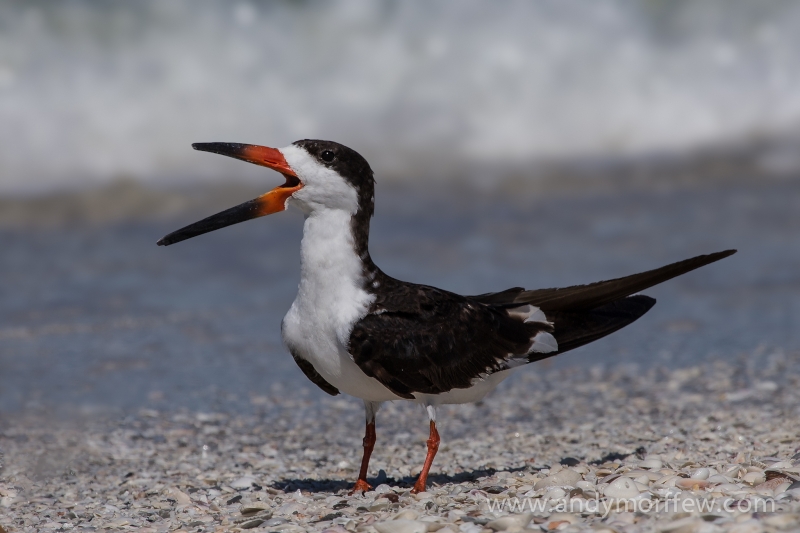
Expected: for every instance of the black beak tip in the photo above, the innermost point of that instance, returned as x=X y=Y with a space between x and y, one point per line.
x=163 y=242
x=229 y=149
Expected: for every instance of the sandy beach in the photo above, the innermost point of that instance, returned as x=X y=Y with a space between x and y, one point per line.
x=699 y=449
x=149 y=391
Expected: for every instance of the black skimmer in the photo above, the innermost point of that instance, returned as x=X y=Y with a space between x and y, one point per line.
x=356 y=330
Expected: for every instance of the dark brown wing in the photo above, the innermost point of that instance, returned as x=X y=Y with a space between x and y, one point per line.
x=426 y=340
x=422 y=339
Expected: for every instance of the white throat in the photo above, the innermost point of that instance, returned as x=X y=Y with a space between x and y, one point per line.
x=331 y=293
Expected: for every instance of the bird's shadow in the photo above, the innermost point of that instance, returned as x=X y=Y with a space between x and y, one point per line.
x=337 y=485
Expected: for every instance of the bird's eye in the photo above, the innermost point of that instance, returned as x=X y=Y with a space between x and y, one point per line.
x=327 y=156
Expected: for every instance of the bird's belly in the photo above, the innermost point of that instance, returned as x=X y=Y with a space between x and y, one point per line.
x=350 y=379
x=473 y=394
x=321 y=347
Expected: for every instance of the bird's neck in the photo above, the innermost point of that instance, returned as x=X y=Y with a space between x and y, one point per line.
x=334 y=252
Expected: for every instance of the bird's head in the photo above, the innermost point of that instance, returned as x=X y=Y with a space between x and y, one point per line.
x=319 y=175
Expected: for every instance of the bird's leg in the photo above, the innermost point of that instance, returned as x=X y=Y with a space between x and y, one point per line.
x=433 y=447
x=369 y=443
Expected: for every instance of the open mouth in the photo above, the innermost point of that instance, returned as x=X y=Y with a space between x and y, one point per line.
x=292 y=182
x=266 y=204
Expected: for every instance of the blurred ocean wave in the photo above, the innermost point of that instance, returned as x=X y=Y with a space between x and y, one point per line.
x=767 y=162
x=93 y=91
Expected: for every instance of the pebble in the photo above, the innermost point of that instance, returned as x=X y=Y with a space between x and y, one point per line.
x=244 y=482
x=749 y=526
x=783 y=520
x=181 y=498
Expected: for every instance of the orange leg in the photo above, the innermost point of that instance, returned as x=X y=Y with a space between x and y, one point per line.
x=369 y=444
x=433 y=447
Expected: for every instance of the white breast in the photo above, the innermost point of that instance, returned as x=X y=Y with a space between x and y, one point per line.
x=330 y=300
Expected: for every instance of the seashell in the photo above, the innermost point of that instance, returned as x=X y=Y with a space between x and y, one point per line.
x=668 y=480
x=555 y=493
x=564 y=517
x=719 y=478
x=652 y=463
x=609 y=479
x=772 y=473
x=622 y=488
x=401 y=526
x=563 y=478
x=754 y=478
x=250 y=524
x=729 y=488
x=636 y=472
x=513 y=522
x=379 y=505
x=252 y=508
x=406 y=514
x=691 y=484
x=773 y=483
x=688 y=524
x=336 y=529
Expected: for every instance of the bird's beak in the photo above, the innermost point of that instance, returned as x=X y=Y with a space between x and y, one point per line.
x=266 y=204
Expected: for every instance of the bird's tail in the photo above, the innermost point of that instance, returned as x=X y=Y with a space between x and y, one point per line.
x=576 y=328
x=584 y=313
x=594 y=295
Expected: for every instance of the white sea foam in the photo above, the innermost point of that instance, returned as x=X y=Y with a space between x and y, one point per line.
x=92 y=90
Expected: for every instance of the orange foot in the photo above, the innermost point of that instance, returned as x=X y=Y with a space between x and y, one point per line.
x=419 y=486
x=361 y=486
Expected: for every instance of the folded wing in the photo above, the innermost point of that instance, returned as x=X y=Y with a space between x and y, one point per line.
x=422 y=339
